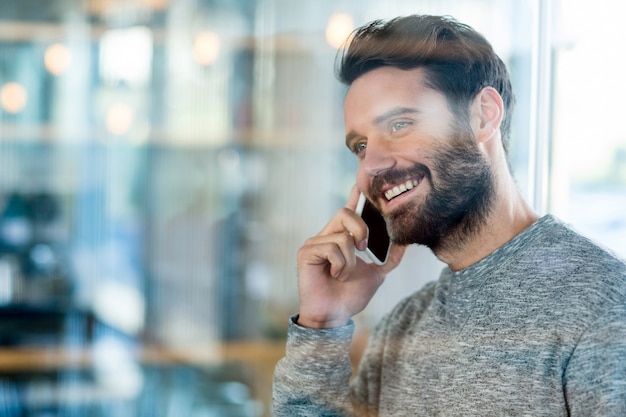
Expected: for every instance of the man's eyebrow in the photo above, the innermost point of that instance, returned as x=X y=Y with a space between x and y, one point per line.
x=398 y=111
x=350 y=137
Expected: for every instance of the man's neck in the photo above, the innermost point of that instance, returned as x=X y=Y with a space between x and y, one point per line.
x=509 y=216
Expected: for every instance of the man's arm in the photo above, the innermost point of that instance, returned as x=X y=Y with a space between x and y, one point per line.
x=595 y=378
x=313 y=377
x=333 y=285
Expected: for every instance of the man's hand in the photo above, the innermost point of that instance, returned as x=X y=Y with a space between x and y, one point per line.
x=333 y=283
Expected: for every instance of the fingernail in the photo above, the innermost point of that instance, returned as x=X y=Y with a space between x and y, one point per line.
x=362 y=244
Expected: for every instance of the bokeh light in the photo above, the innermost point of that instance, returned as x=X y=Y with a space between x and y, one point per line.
x=119 y=118
x=13 y=97
x=206 y=48
x=57 y=58
x=339 y=27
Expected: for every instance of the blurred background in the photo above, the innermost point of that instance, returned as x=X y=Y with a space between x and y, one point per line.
x=162 y=161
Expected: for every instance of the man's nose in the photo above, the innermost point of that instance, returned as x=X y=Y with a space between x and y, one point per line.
x=377 y=158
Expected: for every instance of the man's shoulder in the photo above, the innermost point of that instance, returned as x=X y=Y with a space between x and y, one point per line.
x=558 y=247
x=575 y=272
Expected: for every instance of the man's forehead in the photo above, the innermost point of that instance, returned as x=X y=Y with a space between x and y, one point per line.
x=385 y=89
x=389 y=75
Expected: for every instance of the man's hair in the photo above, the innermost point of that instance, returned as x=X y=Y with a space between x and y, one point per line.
x=457 y=60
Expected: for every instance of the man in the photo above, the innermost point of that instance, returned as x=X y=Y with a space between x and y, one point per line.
x=528 y=318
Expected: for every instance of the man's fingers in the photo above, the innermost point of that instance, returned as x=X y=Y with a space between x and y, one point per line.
x=346 y=220
x=337 y=250
x=353 y=198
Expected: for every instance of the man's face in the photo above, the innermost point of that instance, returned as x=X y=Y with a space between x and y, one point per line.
x=424 y=172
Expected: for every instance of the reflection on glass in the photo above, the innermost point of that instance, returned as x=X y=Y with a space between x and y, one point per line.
x=160 y=164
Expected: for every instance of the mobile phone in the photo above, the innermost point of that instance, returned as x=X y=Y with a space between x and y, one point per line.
x=378 y=242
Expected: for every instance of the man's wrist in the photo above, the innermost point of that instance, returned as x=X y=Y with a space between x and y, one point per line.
x=316 y=324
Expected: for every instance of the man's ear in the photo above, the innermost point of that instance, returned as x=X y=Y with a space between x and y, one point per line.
x=489 y=111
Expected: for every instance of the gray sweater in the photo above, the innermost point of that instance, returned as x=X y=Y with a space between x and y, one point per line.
x=537 y=328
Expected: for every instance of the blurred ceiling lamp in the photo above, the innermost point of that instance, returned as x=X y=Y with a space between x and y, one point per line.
x=13 y=97
x=126 y=55
x=206 y=47
x=339 y=27
x=57 y=58
x=119 y=118
x=109 y=299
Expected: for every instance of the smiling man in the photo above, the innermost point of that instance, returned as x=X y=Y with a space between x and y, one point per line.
x=528 y=318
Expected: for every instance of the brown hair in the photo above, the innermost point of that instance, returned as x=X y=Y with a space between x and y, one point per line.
x=458 y=61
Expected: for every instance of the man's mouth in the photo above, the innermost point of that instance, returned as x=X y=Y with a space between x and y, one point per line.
x=401 y=189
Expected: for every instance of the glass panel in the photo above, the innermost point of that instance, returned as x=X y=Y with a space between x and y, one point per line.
x=160 y=164
x=588 y=186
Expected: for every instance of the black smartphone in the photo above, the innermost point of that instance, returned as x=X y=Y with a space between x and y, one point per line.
x=378 y=242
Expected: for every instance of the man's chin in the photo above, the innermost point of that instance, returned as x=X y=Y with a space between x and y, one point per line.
x=402 y=234
x=410 y=229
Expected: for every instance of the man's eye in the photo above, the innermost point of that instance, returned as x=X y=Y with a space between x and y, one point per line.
x=395 y=126
x=359 y=147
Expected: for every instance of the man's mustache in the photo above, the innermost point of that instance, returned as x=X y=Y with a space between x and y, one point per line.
x=397 y=176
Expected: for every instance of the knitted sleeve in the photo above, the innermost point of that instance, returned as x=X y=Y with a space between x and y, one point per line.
x=313 y=378
x=595 y=378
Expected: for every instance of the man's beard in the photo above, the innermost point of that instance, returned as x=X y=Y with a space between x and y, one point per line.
x=460 y=198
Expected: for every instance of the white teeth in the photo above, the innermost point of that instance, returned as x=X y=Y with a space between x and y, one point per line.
x=399 y=189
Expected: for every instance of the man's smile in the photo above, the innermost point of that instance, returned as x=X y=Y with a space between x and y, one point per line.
x=402 y=188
